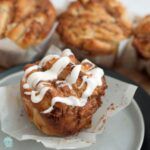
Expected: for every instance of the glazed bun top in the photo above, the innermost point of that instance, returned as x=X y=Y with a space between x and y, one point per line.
x=141 y=40
x=96 y=26
x=62 y=79
x=25 y=22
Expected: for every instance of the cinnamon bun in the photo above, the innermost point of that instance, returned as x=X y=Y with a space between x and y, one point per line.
x=141 y=40
x=25 y=22
x=94 y=26
x=141 y=43
x=61 y=94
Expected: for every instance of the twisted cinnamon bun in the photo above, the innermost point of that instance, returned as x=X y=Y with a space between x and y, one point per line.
x=25 y=22
x=94 y=26
x=61 y=94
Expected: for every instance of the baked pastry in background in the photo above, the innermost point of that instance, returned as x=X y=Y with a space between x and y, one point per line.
x=141 y=43
x=94 y=26
x=6 y=9
x=27 y=23
x=61 y=94
x=141 y=40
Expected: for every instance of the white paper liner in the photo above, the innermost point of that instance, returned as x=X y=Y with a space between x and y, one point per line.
x=11 y=54
x=15 y=122
x=130 y=59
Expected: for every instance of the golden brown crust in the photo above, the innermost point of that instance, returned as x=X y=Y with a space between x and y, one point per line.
x=6 y=9
x=141 y=40
x=29 y=23
x=96 y=26
x=64 y=119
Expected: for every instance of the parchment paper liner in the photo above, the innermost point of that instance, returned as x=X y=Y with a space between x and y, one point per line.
x=15 y=122
x=11 y=54
x=131 y=59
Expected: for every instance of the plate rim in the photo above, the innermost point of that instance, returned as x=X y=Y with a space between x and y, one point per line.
x=11 y=74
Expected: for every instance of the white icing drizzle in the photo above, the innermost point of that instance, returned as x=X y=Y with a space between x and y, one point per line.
x=83 y=81
x=92 y=83
x=67 y=52
x=88 y=61
x=60 y=81
x=71 y=100
x=36 y=80
x=60 y=65
x=30 y=69
x=38 y=98
x=50 y=74
x=73 y=76
x=47 y=58
x=63 y=83
x=27 y=93
x=26 y=86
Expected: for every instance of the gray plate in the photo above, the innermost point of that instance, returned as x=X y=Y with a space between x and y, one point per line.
x=124 y=131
